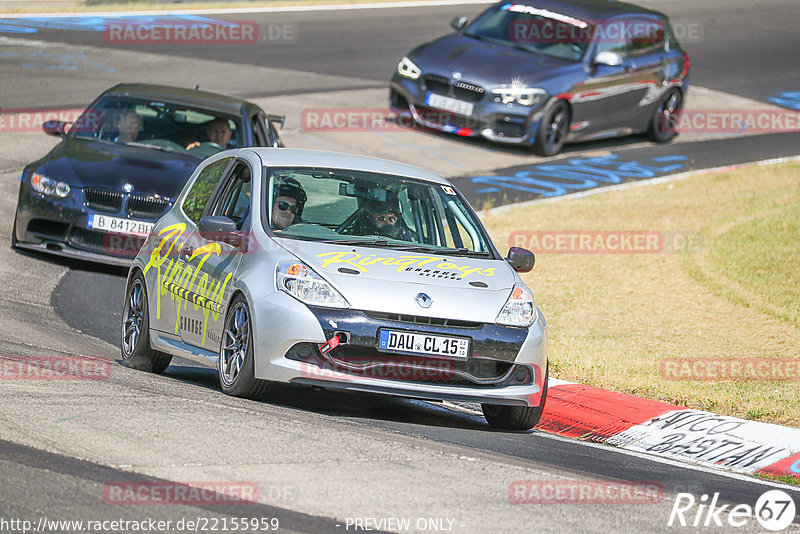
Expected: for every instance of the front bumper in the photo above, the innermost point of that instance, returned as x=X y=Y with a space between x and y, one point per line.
x=505 y=366
x=490 y=119
x=61 y=227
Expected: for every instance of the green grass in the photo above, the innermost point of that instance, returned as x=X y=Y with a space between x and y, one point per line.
x=614 y=317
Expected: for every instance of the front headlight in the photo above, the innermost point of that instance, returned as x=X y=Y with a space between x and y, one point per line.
x=308 y=287
x=47 y=186
x=407 y=68
x=522 y=95
x=519 y=309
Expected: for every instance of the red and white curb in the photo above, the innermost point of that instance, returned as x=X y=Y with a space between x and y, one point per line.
x=652 y=427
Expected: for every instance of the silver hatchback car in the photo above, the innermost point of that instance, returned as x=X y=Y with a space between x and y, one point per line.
x=337 y=271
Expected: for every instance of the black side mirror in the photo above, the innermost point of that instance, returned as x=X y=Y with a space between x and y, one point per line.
x=520 y=259
x=458 y=23
x=56 y=128
x=220 y=228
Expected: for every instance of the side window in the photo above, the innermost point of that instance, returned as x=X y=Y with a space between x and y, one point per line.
x=610 y=37
x=235 y=201
x=646 y=36
x=205 y=183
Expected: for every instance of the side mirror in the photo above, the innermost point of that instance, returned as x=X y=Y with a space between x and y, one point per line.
x=458 y=23
x=220 y=228
x=56 y=128
x=607 y=58
x=520 y=259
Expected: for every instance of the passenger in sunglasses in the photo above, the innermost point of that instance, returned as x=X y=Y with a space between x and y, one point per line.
x=288 y=199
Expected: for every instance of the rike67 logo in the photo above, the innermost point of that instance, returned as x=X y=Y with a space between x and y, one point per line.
x=774 y=511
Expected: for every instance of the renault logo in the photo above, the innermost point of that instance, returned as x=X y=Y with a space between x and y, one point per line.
x=423 y=300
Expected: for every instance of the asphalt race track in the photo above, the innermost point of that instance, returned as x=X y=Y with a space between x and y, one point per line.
x=321 y=457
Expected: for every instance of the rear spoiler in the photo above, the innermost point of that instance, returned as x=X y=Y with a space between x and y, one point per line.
x=276 y=118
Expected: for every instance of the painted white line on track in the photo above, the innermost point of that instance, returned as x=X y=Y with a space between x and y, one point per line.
x=640 y=183
x=274 y=9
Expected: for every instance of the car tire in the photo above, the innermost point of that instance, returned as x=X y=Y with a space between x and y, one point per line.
x=553 y=130
x=665 y=117
x=516 y=417
x=135 y=346
x=236 y=365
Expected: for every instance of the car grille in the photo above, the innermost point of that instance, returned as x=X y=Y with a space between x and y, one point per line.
x=147 y=206
x=102 y=199
x=467 y=91
x=437 y=84
x=367 y=362
x=112 y=244
x=423 y=320
x=456 y=89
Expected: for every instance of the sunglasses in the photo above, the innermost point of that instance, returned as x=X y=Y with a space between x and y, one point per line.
x=283 y=206
x=385 y=218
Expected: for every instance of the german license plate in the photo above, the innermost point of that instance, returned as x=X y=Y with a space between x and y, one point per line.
x=449 y=104
x=119 y=225
x=419 y=343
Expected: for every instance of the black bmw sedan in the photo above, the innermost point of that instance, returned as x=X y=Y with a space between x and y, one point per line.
x=546 y=72
x=121 y=165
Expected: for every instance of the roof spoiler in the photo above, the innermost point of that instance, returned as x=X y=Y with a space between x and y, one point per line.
x=276 y=118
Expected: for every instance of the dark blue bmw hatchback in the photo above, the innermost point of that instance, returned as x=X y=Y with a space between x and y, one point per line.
x=119 y=168
x=546 y=72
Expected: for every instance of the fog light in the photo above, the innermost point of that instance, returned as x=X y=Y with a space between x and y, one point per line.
x=522 y=375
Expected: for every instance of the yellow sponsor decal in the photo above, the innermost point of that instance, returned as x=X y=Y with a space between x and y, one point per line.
x=360 y=262
x=179 y=279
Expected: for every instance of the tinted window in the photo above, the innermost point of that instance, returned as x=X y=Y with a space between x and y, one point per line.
x=197 y=197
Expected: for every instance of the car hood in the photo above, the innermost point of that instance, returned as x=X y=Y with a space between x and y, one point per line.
x=487 y=64
x=83 y=163
x=389 y=280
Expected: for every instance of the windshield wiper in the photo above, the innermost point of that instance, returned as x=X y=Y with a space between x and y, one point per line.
x=156 y=147
x=464 y=252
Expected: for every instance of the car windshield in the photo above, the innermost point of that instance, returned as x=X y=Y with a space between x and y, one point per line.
x=158 y=125
x=370 y=209
x=533 y=29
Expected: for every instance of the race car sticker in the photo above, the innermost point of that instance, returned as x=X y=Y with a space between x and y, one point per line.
x=403 y=262
x=180 y=281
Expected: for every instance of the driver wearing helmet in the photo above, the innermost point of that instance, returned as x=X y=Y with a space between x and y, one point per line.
x=288 y=199
x=383 y=218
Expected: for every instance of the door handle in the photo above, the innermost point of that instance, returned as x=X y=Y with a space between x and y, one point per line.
x=187 y=251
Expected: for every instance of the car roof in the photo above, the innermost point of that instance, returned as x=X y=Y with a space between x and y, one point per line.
x=181 y=95
x=296 y=157
x=589 y=9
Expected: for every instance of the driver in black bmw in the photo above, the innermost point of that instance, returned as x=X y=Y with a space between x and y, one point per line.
x=218 y=132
